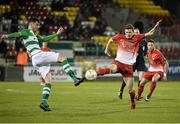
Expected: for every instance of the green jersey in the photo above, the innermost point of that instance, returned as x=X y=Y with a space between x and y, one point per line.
x=31 y=41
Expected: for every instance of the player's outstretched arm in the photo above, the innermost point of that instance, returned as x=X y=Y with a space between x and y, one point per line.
x=49 y=37
x=151 y=32
x=12 y=35
x=107 y=52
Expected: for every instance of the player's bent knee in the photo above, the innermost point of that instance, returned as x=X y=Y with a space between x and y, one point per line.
x=62 y=57
x=113 y=68
x=156 y=77
x=143 y=82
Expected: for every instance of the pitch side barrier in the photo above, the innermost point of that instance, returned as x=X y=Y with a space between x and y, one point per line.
x=29 y=74
x=11 y=73
x=173 y=74
x=57 y=72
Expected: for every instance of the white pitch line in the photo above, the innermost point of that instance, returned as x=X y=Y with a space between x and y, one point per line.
x=19 y=91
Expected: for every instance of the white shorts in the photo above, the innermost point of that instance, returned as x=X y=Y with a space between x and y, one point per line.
x=41 y=61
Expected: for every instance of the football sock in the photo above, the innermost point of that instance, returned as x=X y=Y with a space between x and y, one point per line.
x=45 y=93
x=67 y=68
x=152 y=87
x=132 y=95
x=103 y=71
x=122 y=86
x=140 y=90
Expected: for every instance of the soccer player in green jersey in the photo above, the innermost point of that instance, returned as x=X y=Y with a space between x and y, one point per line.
x=40 y=59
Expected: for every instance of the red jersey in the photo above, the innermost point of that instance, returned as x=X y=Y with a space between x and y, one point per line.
x=127 y=48
x=46 y=49
x=156 y=60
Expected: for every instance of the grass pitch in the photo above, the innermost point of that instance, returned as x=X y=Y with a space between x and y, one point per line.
x=91 y=102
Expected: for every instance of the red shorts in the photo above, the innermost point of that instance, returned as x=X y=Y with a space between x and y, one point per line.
x=148 y=75
x=124 y=69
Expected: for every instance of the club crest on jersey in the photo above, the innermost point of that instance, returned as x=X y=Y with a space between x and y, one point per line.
x=153 y=57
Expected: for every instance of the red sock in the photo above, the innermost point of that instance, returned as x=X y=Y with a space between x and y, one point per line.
x=139 y=83
x=103 y=71
x=140 y=90
x=132 y=95
x=152 y=87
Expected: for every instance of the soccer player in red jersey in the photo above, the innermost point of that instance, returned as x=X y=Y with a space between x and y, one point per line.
x=157 y=70
x=128 y=46
x=139 y=65
x=44 y=47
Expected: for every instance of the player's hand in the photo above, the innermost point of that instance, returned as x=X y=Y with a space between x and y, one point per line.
x=165 y=78
x=4 y=36
x=107 y=52
x=60 y=30
x=158 y=23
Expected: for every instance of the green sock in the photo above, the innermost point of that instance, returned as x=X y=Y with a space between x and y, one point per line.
x=46 y=92
x=67 y=68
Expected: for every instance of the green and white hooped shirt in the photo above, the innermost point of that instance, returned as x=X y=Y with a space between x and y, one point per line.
x=31 y=41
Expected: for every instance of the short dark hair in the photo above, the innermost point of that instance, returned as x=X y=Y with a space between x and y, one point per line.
x=129 y=26
x=33 y=19
x=151 y=41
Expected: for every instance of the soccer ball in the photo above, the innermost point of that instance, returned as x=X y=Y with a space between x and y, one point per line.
x=90 y=74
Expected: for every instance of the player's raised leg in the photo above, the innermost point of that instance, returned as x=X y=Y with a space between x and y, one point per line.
x=68 y=69
x=107 y=70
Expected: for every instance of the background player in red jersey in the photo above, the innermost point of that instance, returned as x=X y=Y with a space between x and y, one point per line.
x=128 y=46
x=44 y=47
x=157 y=70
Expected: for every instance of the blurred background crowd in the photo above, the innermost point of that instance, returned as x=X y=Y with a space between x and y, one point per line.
x=89 y=24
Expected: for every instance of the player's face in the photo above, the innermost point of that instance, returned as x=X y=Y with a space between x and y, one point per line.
x=150 y=46
x=44 y=44
x=129 y=33
x=35 y=26
x=136 y=31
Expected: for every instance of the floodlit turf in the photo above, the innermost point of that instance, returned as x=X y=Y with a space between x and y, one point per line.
x=91 y=102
